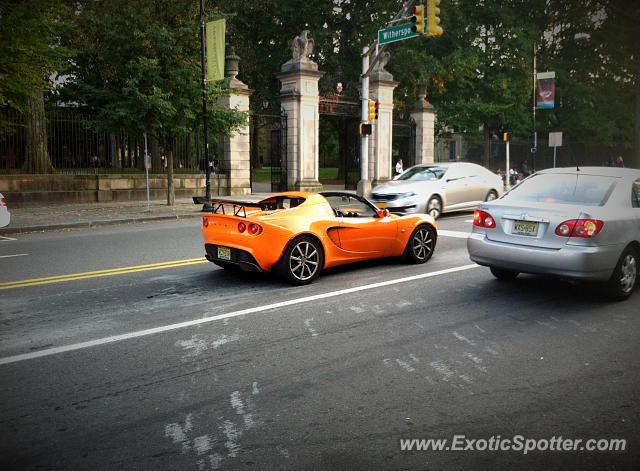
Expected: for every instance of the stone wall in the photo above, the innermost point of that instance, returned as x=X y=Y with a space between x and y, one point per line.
x=33 y=190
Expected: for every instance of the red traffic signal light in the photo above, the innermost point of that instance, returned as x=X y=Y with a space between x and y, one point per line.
x=418 y=19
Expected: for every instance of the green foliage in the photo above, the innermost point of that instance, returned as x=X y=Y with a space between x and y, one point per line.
x=30 y=50
x=139 y=69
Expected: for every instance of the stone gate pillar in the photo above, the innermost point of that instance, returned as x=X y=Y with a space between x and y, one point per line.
x=235 y=150
x=299 y=98
x=424 y=115
x=381 y=87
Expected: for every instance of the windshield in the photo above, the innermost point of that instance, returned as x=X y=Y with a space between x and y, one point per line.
x=588 y=190
x=423 y=173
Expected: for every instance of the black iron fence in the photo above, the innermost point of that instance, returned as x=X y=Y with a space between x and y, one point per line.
x=491 y=153
x=74 y=148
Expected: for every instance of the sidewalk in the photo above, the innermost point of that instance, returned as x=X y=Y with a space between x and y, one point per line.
x=76 y=216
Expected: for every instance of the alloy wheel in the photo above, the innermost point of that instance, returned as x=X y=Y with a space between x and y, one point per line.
x=434 y=207
x=422 y=243
x=304 y=261
x=628 y=273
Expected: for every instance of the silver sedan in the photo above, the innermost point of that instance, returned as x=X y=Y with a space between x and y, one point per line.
x=438 y=188
x=577 y=223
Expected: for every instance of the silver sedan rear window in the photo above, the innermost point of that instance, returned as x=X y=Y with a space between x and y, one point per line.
x=588 y=190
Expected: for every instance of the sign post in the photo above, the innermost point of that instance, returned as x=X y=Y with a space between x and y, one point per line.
x=506 y=137
x=555 y=141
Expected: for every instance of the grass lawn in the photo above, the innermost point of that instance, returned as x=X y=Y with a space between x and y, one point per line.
x=264 y=174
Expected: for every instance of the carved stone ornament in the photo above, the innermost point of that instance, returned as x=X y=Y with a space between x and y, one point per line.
x=383 y=61
x=302 y=46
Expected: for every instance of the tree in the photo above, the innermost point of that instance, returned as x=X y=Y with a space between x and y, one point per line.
x=138 y=69
x=30 y=55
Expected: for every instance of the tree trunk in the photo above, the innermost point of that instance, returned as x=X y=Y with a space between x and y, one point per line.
x=171 y=191
x=487 y=147
x=37 y=158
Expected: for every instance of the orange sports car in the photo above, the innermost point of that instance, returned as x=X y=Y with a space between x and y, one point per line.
x=297 y=234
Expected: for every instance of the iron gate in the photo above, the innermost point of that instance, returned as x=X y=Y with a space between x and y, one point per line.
x=343 y=111
x=404 y=140
x=268 y=152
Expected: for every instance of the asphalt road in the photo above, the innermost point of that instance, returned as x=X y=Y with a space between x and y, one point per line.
x=177 y=364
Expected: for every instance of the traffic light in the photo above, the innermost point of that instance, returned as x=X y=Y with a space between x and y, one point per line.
x=377 y=109
x=418 y=19
x=365 y=129
x=372 y=110
x=433 y=18
x=507 y=136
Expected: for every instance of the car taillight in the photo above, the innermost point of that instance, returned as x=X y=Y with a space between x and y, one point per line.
x=3 y=202
x=483 y=219
x=579 y=228
x=205 y=222
x=254 y=229
x=242 y=227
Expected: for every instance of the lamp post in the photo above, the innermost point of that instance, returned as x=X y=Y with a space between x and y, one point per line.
x=207 y=205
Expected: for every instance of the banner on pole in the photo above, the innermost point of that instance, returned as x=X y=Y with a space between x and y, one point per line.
x=545 y=90
x=215 y=37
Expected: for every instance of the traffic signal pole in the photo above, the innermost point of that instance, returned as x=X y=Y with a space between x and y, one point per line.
x=364 y=185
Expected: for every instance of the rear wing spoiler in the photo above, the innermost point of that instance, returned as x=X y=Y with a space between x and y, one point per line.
x=236 y=207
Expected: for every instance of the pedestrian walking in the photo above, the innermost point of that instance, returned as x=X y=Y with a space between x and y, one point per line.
x=399 y=168
x=619 y=162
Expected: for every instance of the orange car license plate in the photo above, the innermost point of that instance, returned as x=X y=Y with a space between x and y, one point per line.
x=526 y=228
x=224 y=253
x=381 y=205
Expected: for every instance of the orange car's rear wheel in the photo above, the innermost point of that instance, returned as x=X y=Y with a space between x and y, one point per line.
x=303 y=260
x=421 y=244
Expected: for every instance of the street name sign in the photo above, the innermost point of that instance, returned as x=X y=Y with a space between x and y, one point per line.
x=396 y=33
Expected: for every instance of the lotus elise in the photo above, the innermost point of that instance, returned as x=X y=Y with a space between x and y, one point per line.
x=297 y=234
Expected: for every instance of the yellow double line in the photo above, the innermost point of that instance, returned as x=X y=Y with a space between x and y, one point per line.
x=98 y=273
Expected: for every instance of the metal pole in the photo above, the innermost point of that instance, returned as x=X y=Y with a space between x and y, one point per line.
x=207 y=205
x=554 y=156
x=535 y=135
x=364 y=143
x=146 y=170
x=508 y=186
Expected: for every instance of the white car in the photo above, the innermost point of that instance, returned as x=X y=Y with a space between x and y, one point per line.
x=5 y=216
x=438 y=188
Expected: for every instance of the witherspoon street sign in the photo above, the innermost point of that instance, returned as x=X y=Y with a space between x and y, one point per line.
x=396 y=33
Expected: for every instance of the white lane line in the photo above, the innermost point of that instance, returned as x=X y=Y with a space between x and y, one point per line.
x=253 y=310
x=6 y=238
x=458 y=234
x=14 y=255
x=469 y=220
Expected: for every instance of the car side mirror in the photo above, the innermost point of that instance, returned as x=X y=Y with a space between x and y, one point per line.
x=383 y=213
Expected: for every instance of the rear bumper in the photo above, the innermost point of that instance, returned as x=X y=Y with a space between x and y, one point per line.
x=571 y=261
x=241 y=258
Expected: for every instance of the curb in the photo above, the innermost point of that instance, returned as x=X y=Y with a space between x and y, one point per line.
x=90 y=224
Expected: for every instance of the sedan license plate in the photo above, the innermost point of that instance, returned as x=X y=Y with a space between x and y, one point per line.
x=381 y=205
x=526 y=228
x=224 y=253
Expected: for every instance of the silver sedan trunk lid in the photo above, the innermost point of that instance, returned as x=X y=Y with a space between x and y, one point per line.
x=533 y=224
